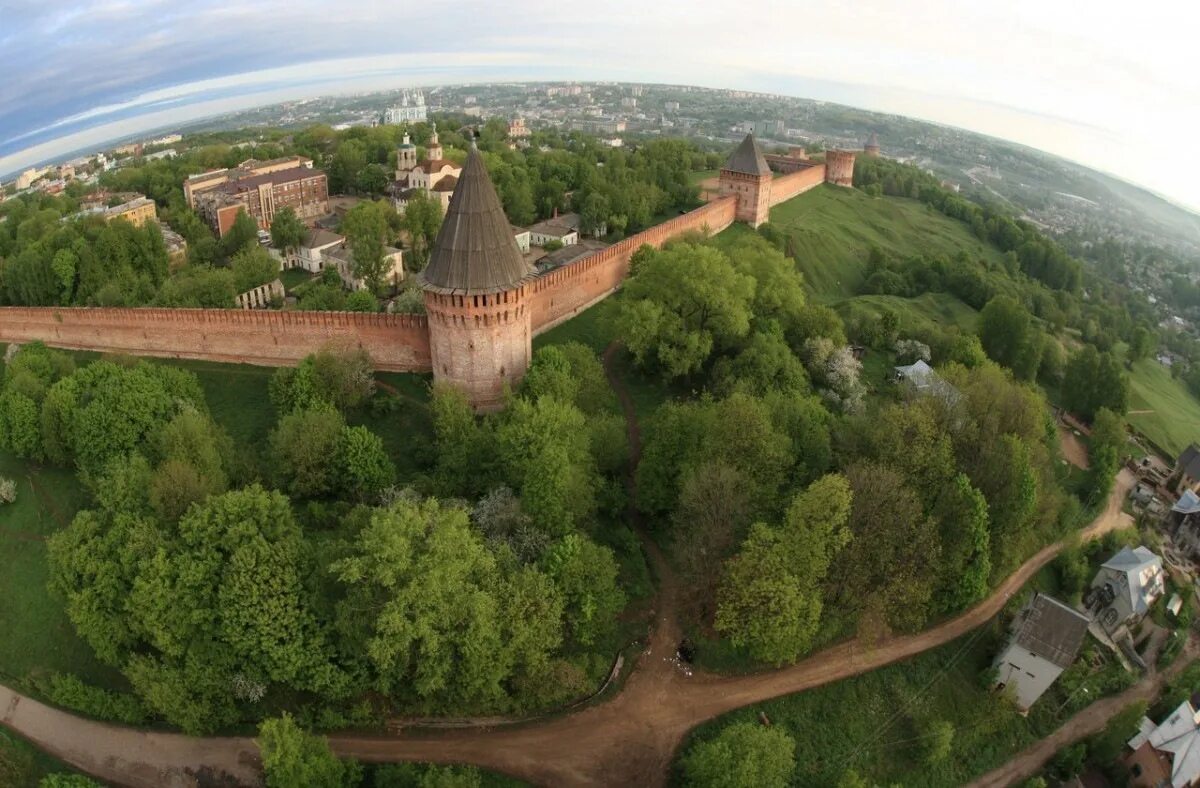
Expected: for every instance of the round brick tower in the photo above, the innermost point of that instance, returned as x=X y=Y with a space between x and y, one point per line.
x=747 y=177
x=839 y=167
x=872 y=147
x=475 y=294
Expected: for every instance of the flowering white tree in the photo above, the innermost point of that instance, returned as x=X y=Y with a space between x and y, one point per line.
x=836 y=372
x=910 y=351
x=8 y=490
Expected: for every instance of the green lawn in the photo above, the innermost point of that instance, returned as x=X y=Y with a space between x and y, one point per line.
x=834 y=227
x=294 y=277
x=700 y=176
x=36 y=633
x=1174 y=420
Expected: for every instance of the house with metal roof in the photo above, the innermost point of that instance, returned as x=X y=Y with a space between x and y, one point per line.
x=1167 y=754
x=1125 y=588
x=1045 y=639
x=1187 y=470
x=921 y=379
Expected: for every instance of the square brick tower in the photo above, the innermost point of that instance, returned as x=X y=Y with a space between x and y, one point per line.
x=747 y=177
x=475 y=294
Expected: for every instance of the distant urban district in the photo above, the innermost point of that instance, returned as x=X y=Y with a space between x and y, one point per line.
x=954 y=380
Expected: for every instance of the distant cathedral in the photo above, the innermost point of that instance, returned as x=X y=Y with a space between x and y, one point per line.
x=406 y=112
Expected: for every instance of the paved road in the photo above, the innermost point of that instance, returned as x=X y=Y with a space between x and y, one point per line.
x=628 y=740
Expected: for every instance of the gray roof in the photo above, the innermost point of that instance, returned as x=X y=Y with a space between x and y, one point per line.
x=1051 y=630
x=748 y=159
x=873 y=140
x=1189 y=461
x=318 y=237
x=475 y=251
x=1142 y=571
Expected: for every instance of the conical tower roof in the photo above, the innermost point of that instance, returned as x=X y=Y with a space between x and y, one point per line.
x=873 y=140
x=475 y=251
x=748 y=159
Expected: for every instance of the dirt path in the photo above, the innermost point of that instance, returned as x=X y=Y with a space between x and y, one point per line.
x=1073 y=450
x=126 y=756
x=1089 y=720
x=628 y=740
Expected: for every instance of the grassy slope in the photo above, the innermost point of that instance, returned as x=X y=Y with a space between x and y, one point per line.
x=835 y=227
x=1175 y=420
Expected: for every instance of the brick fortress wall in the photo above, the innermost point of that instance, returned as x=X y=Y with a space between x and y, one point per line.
x=396 y=343
x=561 y=294
x=785 y=187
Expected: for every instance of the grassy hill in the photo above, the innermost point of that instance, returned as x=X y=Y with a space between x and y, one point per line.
x=1161 y=408
x=834 y=227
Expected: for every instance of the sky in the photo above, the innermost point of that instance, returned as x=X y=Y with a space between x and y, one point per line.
x=1109 y=85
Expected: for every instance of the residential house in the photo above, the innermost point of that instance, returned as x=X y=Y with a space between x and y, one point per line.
x=310 y=255
x=1187 y=470
x=522 y=237
x=920 y=379
x=1125 y=588
x=1167 y=755
x=304 y=190
x=1046 y=637
x=563 y=229
x=342 y=258
x=137 y=211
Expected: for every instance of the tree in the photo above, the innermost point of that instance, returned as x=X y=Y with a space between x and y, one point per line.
x=362 y=463
x=435 y=615
x=253 y=266
x=243 y=233
x=962 y=515
x=367 y=229
x=1094 y=380
x=680 y=304
x=1009 y=336
x=362 y=301
x=885 y=566
x=343 y=378
x=291 y=757
x=743 y=755
x=1107 y=450
x=544 y=453
x=770 y=599
x=422 y=220
x=301 y=447
x=937 y=740
x=287 y=231
x=712 y=515
x=586 y=575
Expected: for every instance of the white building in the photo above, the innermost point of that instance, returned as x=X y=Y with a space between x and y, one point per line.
x=1125 y=588
x=407 y=112
x=1046 y=637
x=341 y=257
x=563 y=229
x=522 y=237
x=310 y=255
x=1167 y=754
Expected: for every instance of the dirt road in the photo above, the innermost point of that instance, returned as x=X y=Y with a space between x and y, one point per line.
x=1089 y=720
x=127 y=756
x=628 y=740
x=1073 y=450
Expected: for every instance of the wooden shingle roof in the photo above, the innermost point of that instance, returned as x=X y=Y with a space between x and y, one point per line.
x=748 y=159
x=475 y=251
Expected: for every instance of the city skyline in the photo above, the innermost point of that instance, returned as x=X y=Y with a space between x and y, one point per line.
x=1035 y=74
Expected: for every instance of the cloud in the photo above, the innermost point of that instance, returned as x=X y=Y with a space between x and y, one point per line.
x=1105 y=87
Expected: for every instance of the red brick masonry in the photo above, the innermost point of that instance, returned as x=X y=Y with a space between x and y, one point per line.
x=396 y=343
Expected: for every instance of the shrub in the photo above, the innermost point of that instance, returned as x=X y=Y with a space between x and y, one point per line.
x=8 y=490
x=66 y=689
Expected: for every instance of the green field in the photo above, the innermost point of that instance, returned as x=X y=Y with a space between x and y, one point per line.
x=834 y=228
x=1173 y=420
x=700 y=176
